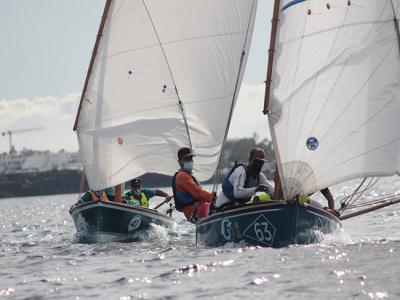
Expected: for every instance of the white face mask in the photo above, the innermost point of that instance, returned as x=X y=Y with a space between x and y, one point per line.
x=188 y=166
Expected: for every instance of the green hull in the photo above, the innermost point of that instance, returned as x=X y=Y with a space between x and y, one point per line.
x=109 y=221
x=275 y=224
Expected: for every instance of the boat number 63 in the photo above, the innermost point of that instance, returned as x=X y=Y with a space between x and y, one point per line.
x=262 y=232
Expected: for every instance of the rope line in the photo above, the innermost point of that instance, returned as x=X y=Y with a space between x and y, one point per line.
x=180 y=103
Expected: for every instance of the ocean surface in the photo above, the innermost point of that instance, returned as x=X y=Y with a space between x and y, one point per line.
x=42 y=258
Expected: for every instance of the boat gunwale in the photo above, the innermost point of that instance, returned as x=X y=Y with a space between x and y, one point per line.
x=246 y=208
x=152 y=213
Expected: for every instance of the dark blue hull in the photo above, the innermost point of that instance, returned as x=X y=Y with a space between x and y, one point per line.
x=106 y=221
x=275 y=224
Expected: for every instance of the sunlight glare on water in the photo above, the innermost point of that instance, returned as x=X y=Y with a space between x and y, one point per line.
x=41 y=257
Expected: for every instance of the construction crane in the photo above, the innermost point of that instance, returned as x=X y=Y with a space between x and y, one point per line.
x=11 y=132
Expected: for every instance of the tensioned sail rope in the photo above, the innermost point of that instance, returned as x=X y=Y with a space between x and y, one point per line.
x=218 y=170
x=349 y=201
x=396 y=23
x=180 y=103
x=371 y=202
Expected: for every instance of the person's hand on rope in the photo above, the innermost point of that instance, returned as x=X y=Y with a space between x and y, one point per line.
x=168 y=198
x=263 y=188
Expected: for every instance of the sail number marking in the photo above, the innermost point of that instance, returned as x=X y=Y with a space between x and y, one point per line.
x=262 y=231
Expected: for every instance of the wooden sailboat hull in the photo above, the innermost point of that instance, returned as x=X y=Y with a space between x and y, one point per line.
x=275 y=224
x=109 y=221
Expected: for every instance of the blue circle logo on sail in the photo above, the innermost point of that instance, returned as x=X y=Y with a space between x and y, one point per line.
x=291 y=3
x=312 y=143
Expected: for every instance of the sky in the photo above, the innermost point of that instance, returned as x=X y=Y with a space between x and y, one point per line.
x=44 y=55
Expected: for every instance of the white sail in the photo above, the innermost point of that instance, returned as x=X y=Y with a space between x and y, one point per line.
x=335 y=111
x=154 y=54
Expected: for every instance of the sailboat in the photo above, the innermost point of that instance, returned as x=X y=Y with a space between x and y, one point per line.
x=163 y=74
x=333 y=103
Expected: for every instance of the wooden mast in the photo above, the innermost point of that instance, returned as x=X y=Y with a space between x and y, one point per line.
x=278 y=187
x=271 y=53
x=94 y=54
x=118 y=193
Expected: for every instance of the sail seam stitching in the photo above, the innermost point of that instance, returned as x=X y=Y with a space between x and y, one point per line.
x=358 y=155
x=170 y=43
x=328 y=97
x=333 y=87
x=361 y=126
x=289 y=169
x=339 y=29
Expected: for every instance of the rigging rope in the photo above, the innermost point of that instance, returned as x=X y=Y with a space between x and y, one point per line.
x=82 y=184
x=218 y=170
x=349 y=201
x=396 y=24
x=372 y=202
x=180 y=103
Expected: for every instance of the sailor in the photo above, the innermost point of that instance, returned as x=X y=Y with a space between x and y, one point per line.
x=243 y=181
x=190 y=197
x=94 y=196
x=331 y=202
x=328 y=196
x=140 y=196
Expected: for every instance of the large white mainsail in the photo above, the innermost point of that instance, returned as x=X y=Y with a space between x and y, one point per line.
x=164 y=76
x=335 y=107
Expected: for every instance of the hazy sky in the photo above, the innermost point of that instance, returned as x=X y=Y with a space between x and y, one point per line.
x=44 y=55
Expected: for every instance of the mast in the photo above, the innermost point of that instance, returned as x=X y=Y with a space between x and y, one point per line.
x=271 y=53
x=92 y=59
x=91 y=64
x=278 y=194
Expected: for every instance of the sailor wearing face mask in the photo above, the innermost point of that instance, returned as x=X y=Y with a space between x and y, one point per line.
x=139 y=196
x=244 y=181
x=189 y=196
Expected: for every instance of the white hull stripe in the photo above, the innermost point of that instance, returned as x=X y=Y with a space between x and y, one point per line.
x=154 y=215
x=239 y=215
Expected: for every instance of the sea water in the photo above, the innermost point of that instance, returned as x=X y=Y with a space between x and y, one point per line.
x=41 y=258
